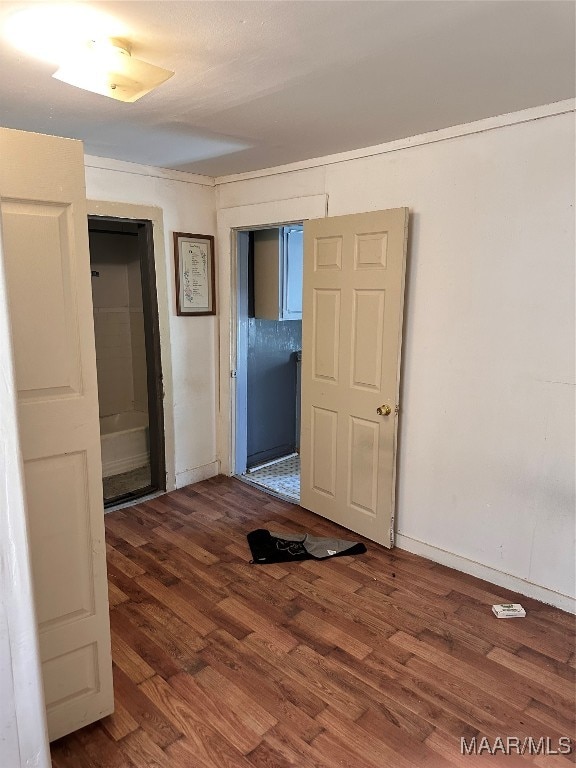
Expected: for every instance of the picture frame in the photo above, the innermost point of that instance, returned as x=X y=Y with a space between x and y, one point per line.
x=195 y=278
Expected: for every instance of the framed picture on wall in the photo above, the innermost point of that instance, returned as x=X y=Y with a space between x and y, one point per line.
x=195 y=280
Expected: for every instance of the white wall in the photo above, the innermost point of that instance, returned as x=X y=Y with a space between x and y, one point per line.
x=486 y=458
x=188 y=205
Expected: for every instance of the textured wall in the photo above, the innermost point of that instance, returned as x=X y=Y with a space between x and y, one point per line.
x=272 y=388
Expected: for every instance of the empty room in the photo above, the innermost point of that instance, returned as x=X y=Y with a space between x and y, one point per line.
x=287 y=405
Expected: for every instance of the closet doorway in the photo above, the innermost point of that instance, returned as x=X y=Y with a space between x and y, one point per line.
x=128 y=359
x=269 y=353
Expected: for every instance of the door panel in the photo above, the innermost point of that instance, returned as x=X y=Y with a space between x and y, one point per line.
x=363 y=465
x=44 y=224
x=43 y=287
x=325 y=352
x=59 y=484
x=354 y=270
x=367 y=331
x=323 y=465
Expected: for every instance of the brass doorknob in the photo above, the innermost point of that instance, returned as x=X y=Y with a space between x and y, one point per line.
x=384 y=410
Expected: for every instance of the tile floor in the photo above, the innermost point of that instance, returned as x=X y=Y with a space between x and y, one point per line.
x=281 y=477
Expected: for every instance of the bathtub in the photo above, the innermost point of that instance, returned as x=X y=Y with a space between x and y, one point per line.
x=124 y=442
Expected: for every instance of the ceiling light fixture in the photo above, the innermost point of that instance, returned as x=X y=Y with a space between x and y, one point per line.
x=88 y=47
x=106 y=67
x=51 y=32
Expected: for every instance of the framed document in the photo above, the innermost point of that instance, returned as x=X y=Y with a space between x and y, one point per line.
x=195 y=281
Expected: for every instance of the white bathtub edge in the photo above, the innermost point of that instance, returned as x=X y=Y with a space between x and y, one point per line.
x=117 y=466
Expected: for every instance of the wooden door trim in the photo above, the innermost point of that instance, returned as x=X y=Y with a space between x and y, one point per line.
x=153 y=359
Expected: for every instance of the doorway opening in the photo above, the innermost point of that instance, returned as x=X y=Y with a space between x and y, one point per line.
x=128 y=359
x=269 y=350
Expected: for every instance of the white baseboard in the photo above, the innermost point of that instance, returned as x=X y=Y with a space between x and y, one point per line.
x=197 y=474
x=501 y=579
x=117 y=466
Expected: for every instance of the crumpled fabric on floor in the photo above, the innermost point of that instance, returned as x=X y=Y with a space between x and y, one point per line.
x=268 y=547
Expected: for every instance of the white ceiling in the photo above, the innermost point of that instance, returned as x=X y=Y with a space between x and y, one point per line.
x=259 y=84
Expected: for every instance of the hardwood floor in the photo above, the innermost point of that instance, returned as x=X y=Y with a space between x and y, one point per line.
x=384 y=659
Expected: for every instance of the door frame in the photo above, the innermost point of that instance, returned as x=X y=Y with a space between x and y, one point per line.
x=243 y=307
x=155 y=406
x=231 y=221
x=241 y=377
x=113 y=210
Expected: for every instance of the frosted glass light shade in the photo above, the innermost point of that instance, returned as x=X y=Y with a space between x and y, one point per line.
x=110 y=70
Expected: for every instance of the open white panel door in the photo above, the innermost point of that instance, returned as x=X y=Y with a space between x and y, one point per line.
x=44 y=226
x=354 y=270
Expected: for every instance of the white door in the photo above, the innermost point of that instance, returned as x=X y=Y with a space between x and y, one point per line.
x=354 y=270
x=44 y=227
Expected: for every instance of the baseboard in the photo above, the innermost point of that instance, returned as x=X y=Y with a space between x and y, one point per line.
x=197 y=474
x=501 y=579
x=118 y=466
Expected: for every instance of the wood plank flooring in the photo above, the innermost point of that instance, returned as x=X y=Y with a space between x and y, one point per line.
x=384 y=659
